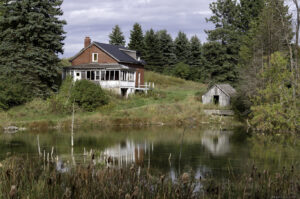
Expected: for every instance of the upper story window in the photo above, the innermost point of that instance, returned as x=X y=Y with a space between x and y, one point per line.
x=95 y=57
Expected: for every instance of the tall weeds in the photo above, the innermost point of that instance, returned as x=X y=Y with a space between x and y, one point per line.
x=28 y=178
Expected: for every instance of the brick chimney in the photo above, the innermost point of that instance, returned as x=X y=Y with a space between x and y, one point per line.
x=87 y=42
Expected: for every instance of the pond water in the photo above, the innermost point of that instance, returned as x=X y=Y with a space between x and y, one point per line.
x=162 y=149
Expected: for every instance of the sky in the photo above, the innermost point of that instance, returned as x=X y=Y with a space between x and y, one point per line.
x=96 y=18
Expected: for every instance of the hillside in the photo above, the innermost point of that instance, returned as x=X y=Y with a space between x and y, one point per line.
x=173 y=102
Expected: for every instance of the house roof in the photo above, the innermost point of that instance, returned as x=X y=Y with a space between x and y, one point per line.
x=116 y=52
x=227 y=89
x=98 y=66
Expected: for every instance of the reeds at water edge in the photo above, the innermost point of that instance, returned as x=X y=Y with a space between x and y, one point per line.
x=28 y=178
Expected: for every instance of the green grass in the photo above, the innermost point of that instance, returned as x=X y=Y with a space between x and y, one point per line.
x=172 y=101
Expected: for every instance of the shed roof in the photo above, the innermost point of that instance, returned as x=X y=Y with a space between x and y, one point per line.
x=227 y=89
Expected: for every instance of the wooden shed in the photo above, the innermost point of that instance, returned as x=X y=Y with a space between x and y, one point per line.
x=219 y=94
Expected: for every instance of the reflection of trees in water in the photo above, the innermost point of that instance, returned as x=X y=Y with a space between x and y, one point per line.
x=200 y=152
x=216 y=142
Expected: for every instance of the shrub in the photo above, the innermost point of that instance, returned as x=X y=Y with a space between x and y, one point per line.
x=88 y=95
x=182 y=70
x=198 y=96
x=61 y=102
x=12 y=93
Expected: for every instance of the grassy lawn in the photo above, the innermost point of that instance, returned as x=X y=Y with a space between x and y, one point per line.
x=172 y=101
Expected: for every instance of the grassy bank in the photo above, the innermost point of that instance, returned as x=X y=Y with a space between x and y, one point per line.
x=174 y=101
x=28 y=178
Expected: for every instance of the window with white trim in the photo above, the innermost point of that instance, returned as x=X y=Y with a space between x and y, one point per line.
x=97 y=75
x=95 y=57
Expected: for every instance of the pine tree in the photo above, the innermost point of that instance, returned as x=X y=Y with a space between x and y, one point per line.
x=31 y=36
x=227 y=32
x=182 y=48
x=152 y=51
x=136 y=38
x=167 y=48
x=249 y=12
x=196 y=55
x=196 y=60
x=116 y=37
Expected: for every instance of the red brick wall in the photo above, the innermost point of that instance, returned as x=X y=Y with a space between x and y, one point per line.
x=86 y=57
x=104 y=58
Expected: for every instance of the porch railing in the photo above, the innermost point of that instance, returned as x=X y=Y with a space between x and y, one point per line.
x=147 y=86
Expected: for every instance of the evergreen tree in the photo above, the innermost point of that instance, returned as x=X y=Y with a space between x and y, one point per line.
x=152 y=51
x=196 y=60
x=167 y=48
x=196 y=55
x=217 y=67
x=249 y=12
x=136 y=38
x=182 y=48
x=116 y=37
x=31 y=36
x=226 y=20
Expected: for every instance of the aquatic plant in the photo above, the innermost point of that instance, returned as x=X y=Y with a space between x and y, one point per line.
x=35 y=178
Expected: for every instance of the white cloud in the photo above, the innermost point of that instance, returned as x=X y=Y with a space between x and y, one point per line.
x=96 y=18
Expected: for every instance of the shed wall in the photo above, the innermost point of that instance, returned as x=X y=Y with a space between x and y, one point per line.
x=224 y=100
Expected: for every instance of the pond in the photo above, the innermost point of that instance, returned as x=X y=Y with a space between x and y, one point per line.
x=162 y=149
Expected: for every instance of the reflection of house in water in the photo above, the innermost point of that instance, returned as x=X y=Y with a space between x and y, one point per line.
x=217 y=142
x=127 y=152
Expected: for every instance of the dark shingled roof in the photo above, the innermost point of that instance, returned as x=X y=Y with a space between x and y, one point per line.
x=97 y=66
x=228 y=89
x=118 y=54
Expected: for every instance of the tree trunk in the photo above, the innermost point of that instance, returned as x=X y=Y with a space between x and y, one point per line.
x=297 y=40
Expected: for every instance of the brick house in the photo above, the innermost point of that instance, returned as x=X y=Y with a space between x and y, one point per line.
x=112 y=67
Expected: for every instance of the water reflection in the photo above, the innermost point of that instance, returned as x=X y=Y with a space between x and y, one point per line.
x=163 y=149
x=216 y=142
x=126 y=152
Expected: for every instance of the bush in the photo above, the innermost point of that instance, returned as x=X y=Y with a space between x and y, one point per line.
x=198 y=96
x=13 y=93
x=182 y=70
x=88 y=95
x=61 y=102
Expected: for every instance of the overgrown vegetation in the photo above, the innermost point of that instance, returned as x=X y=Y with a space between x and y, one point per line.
x=88 y=95
x=172 y=102
x=24 y=178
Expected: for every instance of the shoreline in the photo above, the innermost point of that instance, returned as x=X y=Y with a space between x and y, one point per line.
x=94 y=122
